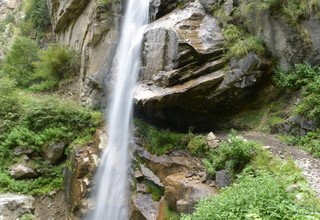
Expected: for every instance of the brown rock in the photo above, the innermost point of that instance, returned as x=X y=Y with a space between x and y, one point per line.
x=182 y=194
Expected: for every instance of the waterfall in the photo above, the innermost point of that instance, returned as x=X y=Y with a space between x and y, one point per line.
x=112 y=177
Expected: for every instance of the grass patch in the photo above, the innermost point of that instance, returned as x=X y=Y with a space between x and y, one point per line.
x=160 y=141
x=292 y=10
x=240 y=43
x=156 y=191
x=263 y=118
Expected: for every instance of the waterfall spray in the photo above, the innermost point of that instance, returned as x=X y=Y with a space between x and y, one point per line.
x=112 y=201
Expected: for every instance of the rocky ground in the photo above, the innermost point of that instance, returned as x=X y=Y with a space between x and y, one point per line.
x=309 y=165
x=48 y=207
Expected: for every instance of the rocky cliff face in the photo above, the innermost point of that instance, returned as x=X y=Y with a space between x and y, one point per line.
x=185 y=78
x=184 y=73
x=91 y=28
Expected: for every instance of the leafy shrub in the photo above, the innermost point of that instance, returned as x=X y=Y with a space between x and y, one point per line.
x=57 y=63
x=156 y=191
x=18 y=64
x=306 y=78
x=198 y=145
x=233 y=155
x=239 y=43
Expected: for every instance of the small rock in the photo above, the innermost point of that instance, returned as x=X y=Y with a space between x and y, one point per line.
x=25 y=157
x=150 y=175
x=266 y=147
x=54 y=152
x=223 y=179
x=190 y=174
x=212 y=140
x=138 y=175
x=184 y=206
x=201 y=174
x=22 y=171
x=141 y=187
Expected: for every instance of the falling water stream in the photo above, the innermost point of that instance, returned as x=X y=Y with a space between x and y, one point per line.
x=112 y=201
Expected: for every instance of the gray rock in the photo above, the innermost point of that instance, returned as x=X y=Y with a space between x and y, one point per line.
x=295 y=125
x=54 y=152
x=286 y=42
x=22 y=171
x=183 y=56
x=223 y=179
x=138 y=175
x=167 y=164
x=150 y=175
x=14 y=206
x=143 y=207
x=23 y=150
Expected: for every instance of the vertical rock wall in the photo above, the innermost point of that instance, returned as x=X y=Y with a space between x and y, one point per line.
x=92 y=29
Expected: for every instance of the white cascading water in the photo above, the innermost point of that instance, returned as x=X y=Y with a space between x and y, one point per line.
x=112 y=201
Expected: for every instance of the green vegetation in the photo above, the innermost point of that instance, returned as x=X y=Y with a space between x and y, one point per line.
x=31 y=122
x=156 y=191
x=304 y=78
x=291 y=10
x=159 y=141
x=262 y=115
x=56 y=64
x=39 y=70
x=18 y=63
x=240 y=43
x=262 y=191
x=233 y=155
x=171 y=215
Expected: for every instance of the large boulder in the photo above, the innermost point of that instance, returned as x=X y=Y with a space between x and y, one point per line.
x=184 y=77
x=182 y=193
x=167 y=164
x=54 y=152
x=12 y=206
